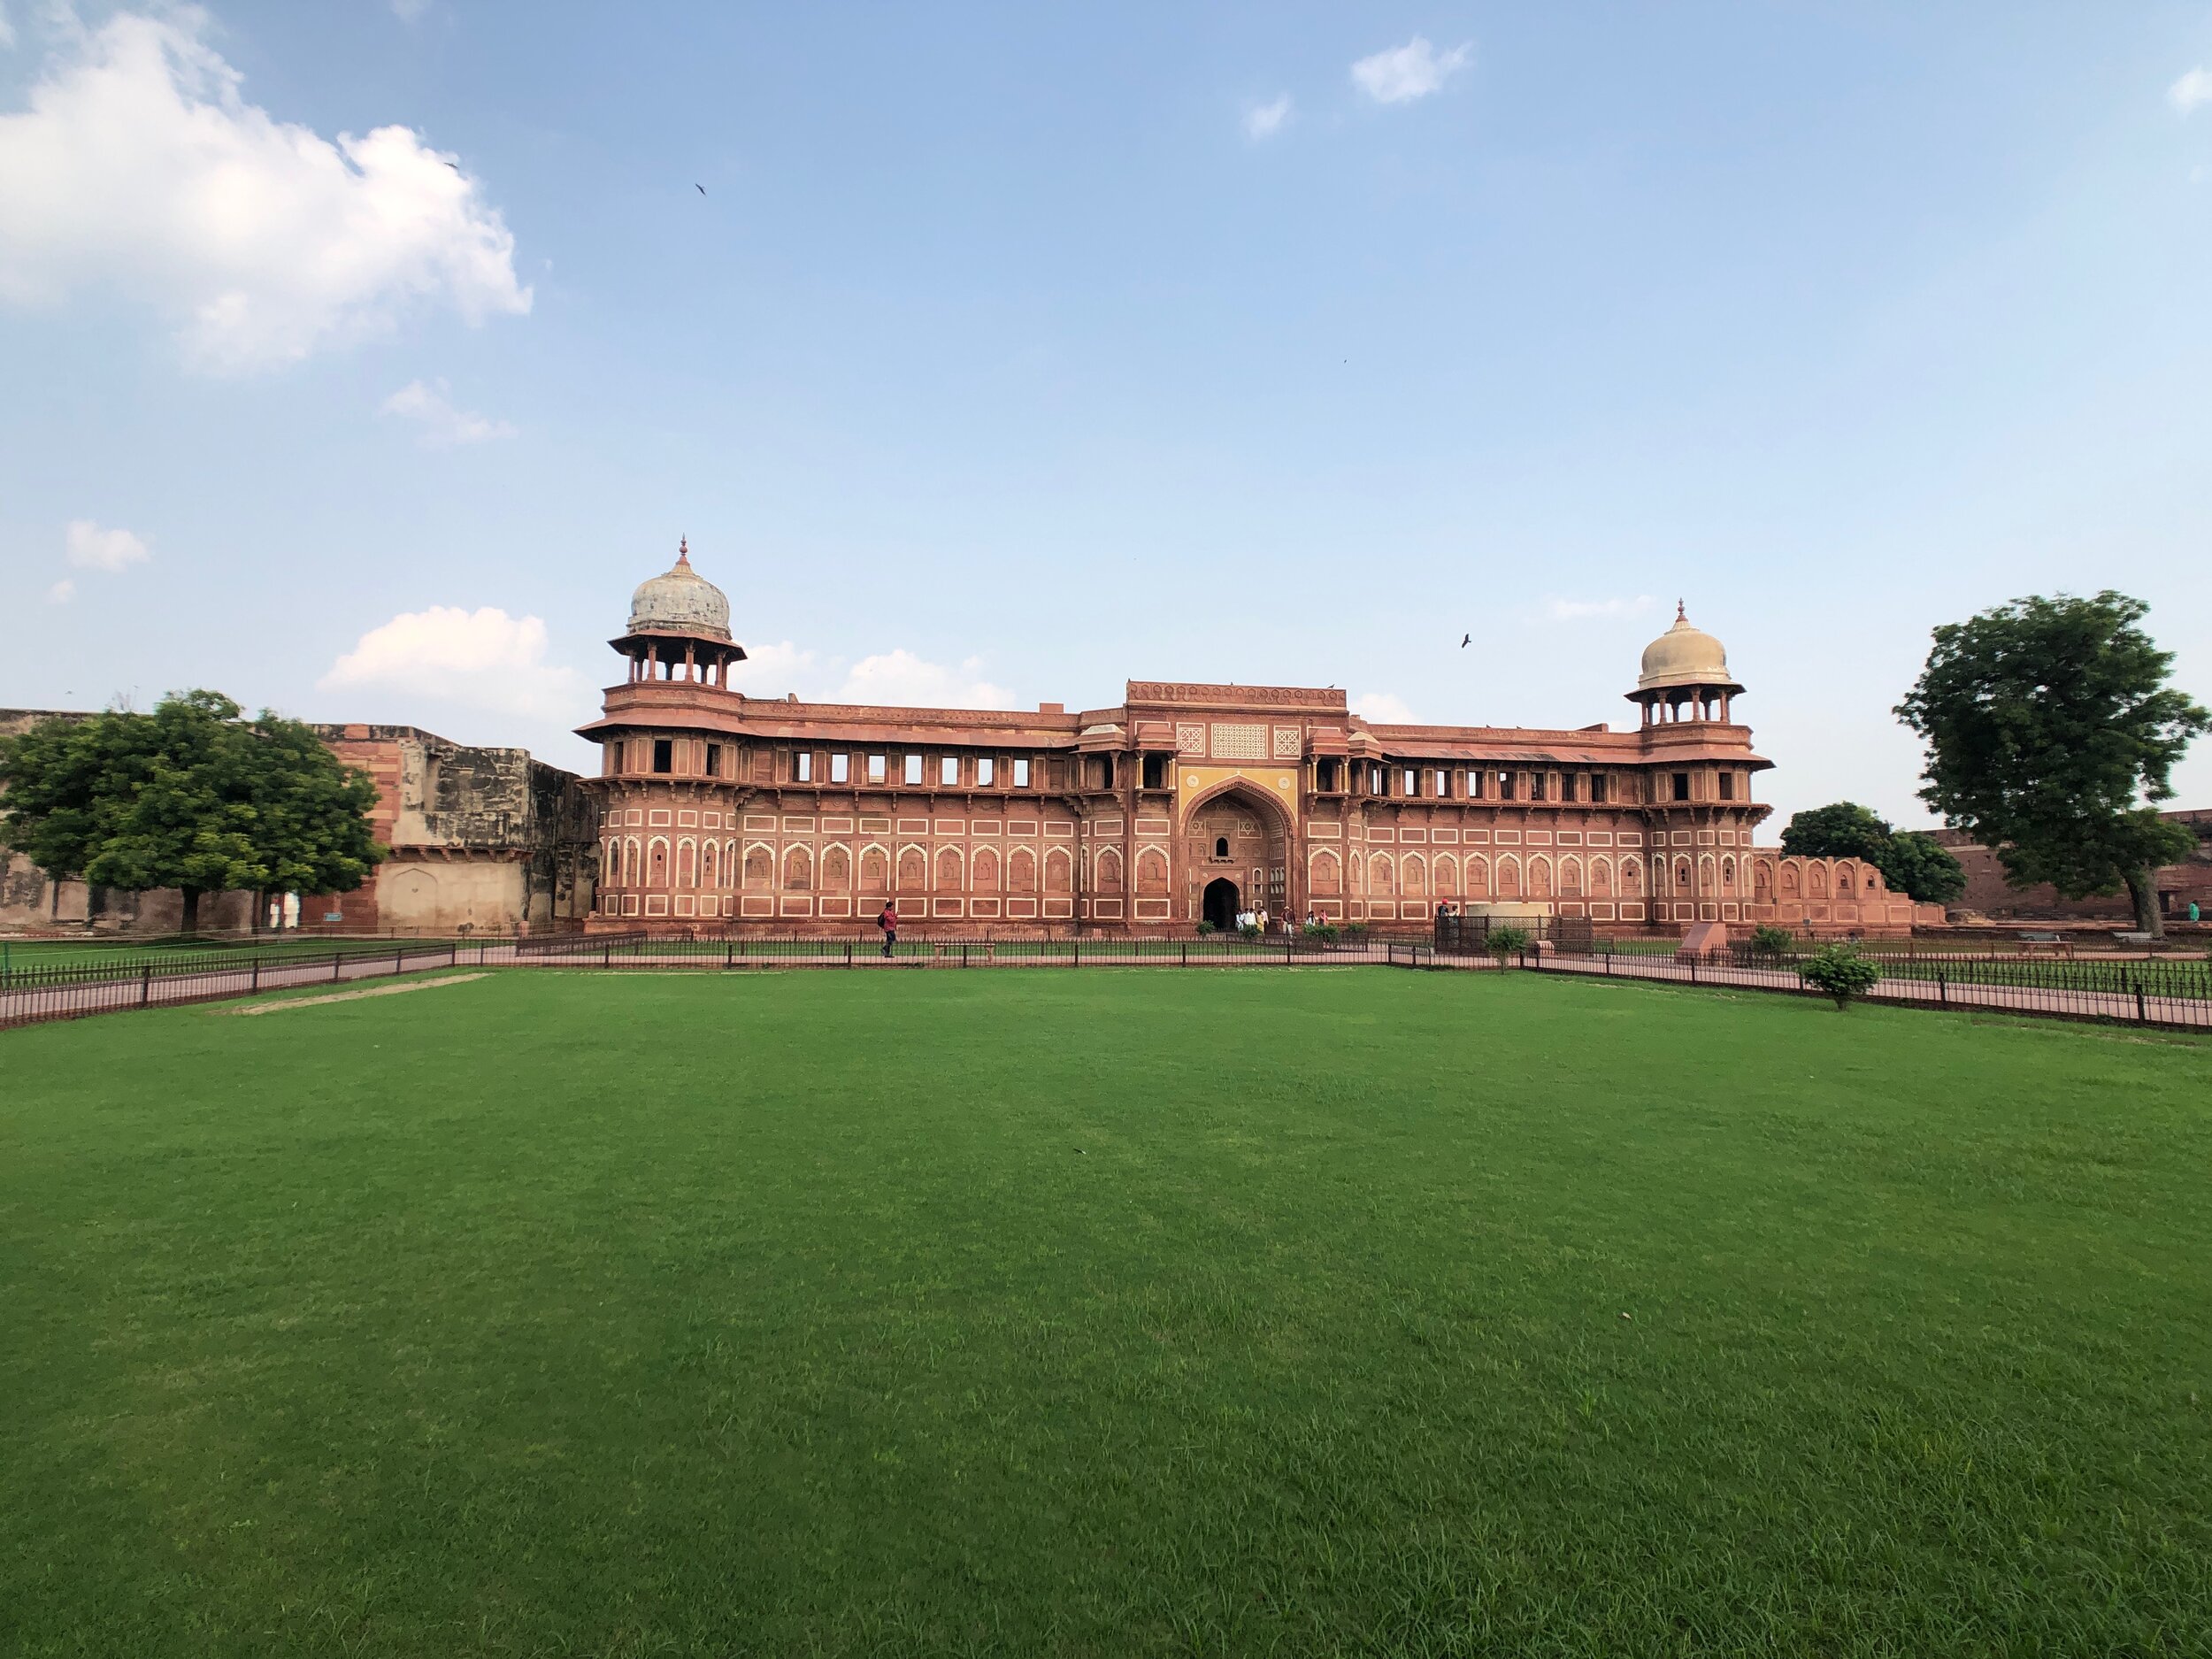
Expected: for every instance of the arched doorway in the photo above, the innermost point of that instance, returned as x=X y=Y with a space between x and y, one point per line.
x=1222 y=903
x=1239 y=834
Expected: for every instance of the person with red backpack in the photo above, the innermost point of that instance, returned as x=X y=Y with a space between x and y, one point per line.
x=889 y=922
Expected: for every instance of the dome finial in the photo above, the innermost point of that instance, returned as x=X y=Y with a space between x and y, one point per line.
x=683 y=551
x=1680 y=613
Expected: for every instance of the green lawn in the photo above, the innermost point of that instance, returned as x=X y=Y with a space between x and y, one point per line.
x=1104 y=1313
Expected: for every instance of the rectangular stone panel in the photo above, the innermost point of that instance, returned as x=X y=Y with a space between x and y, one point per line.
x=1239 y=742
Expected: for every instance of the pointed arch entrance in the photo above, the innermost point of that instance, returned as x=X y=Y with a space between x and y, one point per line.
x=1238 y=834
x=1220 y=903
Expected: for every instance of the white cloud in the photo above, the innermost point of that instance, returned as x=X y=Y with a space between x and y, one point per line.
x=1408 y=72
x=1264 y=120
x=484 y=658
x=93 y=549
x=61 y=593
x=900 y=678
x=138 y=168
x=897 y=677
x=7 y=30
x=771 y=670
x=1383 y=709
x=1580 y=609
x=2191 y=90
x=443 y=427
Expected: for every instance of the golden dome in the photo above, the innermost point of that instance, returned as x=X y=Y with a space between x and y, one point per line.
x=1685 y=655
x=680 y=601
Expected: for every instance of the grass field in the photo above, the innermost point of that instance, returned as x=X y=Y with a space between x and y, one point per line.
x=1102 y=1313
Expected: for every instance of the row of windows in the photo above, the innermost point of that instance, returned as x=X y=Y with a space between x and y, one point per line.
x=992 y=772
x=982 y=771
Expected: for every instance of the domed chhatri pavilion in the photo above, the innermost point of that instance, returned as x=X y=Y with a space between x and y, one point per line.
x=1187 y=803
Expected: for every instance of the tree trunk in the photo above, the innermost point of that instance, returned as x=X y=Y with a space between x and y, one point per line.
x=191 y=910
x=2143 y=889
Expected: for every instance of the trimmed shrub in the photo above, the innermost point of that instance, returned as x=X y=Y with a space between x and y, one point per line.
x=1841 y=972
x=1773 y=941
x=1507 y=941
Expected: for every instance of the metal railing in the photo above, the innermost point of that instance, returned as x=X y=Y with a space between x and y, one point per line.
x=648 y=949
x=2166 y=993
x=33 y=995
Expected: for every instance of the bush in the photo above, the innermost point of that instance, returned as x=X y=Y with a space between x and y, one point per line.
x=1839 y=971
x=1354 y=932
x=1323 y=931
x=1249 y=930
x=1773 y=941
x=1204 y=928
x=1507 y=941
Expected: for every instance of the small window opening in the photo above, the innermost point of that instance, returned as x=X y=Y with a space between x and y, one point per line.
x=1597 y=789
x=875 y=768
x=1221 y=846
x=802 y=766
x=1324 y=776
x=914 y=769
x=1155 y=771
x=1728 y=785
x=1682 y=786
x=714 y=760
x=948 y=771
x=1505 y=786
x=1021 y=772
x=841 y=768
x=663 y=755
x=985 y=769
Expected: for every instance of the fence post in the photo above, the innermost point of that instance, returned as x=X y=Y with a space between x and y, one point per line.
x=1078 y=950
x=848 y=953
x=1943 y=988
x=1184 y=949
x=964 y=953
x=145 y=983
x=256 y=974
x=2142 y=1014
x=333 y=967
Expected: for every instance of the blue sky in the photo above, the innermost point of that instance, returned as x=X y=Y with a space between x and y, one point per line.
x=1014 y=351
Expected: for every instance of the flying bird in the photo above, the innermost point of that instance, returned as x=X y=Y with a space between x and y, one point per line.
x=701 y=188
x=1463 y=639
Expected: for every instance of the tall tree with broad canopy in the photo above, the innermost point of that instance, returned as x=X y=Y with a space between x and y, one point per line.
x=192 y=796
x=1912 y=862
x=2050 y=729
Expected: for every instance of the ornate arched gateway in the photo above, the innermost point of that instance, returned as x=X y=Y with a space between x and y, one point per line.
x=1235 y=832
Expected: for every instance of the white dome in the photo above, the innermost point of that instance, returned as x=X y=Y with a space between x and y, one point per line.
x=680 y=601
x=1683 y=656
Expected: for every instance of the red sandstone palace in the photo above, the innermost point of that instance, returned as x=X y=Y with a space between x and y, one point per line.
x=1185 y=803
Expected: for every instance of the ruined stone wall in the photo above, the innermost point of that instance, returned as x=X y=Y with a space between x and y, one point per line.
x=482 y=840
x=1989 y=893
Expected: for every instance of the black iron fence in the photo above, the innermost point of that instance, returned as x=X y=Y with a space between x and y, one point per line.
x=1455 y=934
x=2158 y=993
x=71 y=991
x=646 y=948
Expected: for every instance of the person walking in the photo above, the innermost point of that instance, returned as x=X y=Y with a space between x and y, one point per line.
x=889 y=922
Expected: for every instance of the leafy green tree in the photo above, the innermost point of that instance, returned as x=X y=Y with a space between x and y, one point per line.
x=2049 y=726
x=1846 y=830
x=1916 y=863
x=191 y=796
x=1912 y=862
